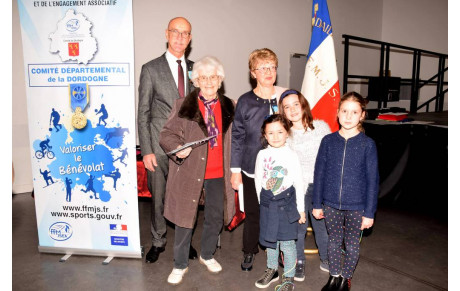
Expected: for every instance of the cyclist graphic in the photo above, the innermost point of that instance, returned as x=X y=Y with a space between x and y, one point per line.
x=45 y=144
x=45 y=150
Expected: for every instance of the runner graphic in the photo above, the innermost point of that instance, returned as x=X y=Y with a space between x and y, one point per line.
x=90 y=187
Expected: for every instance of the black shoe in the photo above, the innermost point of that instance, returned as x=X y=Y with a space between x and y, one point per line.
x=287 y=284
x=248 y=260
x=192 y=255
x=153 y=254
x=345 y=284
x=269 y=276
x=299 y=271
x=332 y=284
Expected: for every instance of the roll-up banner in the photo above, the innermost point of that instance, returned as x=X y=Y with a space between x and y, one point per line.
x=79 y=68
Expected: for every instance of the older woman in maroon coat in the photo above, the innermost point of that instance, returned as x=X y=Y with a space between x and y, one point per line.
x=204 y=168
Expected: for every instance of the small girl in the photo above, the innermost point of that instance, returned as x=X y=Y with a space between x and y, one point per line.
x=346 y=188
x=305 y=136
x=278 y=177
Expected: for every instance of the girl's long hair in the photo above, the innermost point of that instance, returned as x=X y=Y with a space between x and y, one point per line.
x=307 y=117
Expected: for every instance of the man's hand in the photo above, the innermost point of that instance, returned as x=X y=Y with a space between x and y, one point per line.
x=150 y=162
x=236 y=180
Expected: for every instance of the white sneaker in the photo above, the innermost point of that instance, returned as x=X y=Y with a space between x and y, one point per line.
x=212 y=265
x=176 y=276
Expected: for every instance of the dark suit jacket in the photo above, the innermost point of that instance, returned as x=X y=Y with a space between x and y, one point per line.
x=157 y=94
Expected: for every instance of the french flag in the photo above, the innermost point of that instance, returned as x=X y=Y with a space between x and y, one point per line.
x=321 y=83
x=118 y=227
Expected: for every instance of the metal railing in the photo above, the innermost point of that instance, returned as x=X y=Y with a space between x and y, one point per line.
x=415 y=81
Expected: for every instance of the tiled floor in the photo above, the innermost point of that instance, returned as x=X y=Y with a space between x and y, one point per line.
x=404 y=251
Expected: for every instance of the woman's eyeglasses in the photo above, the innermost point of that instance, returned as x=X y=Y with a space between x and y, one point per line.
x=265 y=70
x=204 y=79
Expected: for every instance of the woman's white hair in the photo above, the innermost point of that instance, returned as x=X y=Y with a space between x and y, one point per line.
x=207 y=62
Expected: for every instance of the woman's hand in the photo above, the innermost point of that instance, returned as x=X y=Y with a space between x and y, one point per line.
x=302 y=219
x=367 y=223
x=318 y=213
x=236 y=180
x=183 y=153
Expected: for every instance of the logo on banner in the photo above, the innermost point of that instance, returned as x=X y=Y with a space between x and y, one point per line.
x=79 y=97
x=119 y=241
x=119 y=234
x=73 y=28
x=72 y=25
x=60 y=231
x=74 y=49
x=115 y=227
x=78 y=92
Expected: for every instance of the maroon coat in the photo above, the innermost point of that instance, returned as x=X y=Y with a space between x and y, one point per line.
x=186 y=177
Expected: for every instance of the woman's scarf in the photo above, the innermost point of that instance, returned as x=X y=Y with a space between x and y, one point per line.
x=210 y=119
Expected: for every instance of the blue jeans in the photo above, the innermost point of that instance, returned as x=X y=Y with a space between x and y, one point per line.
x=319 y=228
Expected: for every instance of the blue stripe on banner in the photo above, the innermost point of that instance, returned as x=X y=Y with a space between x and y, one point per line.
x=321 y=25
x=29 y=28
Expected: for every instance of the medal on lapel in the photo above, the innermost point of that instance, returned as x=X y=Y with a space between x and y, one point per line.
x=79 y=98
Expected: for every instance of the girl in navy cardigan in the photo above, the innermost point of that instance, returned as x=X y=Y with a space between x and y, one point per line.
x=346 y=185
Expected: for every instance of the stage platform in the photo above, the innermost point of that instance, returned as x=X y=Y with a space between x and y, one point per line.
x=413 y=161
x=437 y=118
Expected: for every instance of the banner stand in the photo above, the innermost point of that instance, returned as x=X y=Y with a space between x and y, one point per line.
x=79 y=78
x=88 y=252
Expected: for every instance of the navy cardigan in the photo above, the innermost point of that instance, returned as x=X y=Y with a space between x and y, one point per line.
x=346 y=174
x=250 y=113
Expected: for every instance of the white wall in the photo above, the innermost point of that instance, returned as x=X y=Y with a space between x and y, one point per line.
x=421 y=24
x=359 y=18
x=21 y=149
x=231 y=29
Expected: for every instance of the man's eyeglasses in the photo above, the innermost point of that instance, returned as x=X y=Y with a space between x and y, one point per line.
x=204 y=79
x=265 y=70
x=176 y=33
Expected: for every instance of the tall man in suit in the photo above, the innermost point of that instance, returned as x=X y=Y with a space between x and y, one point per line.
x=162 y=81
